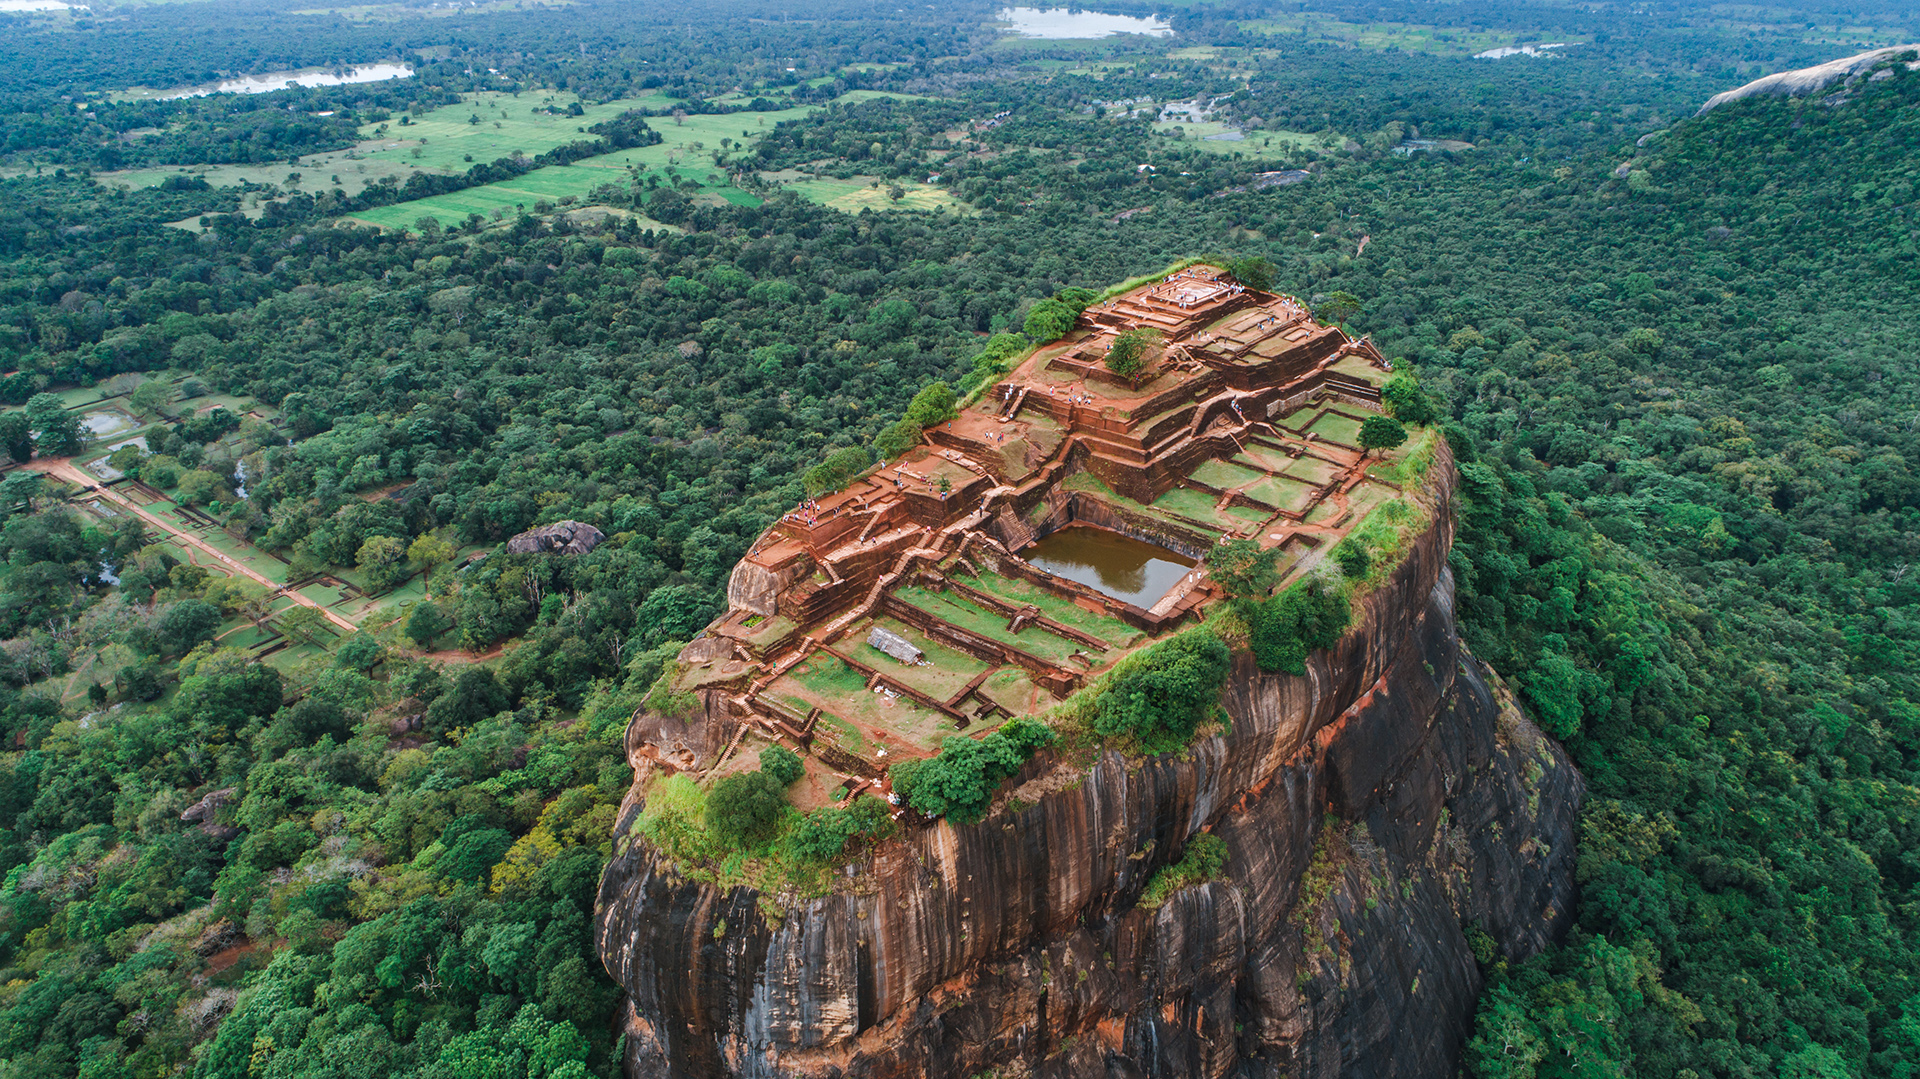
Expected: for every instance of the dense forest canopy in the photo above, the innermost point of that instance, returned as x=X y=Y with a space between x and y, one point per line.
x=1673 y=355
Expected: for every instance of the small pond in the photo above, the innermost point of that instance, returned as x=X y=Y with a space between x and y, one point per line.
x=108 y=422
x=1074 y=23
x=1125 y=568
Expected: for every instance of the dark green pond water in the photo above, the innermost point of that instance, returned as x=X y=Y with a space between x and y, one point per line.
x=1122 y=567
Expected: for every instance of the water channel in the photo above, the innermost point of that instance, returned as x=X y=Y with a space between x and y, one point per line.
x=1125 y=568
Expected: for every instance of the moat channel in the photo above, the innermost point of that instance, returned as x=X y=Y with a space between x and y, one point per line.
x=1125 y=568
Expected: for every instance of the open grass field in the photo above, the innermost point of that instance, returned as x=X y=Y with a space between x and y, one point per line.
x=871 y=193
x=1335 y=427
x=1201 y=135
x=841 y=691
x=685 y=154
x=1408 y=37
x=1011 y=689
x=446 y=139
x=531 y=122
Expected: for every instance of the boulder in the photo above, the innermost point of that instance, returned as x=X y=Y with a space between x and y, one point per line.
x=561 y=537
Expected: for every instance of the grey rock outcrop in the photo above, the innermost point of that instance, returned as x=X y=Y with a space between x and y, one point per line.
x=1811 y=80
x=561 y=537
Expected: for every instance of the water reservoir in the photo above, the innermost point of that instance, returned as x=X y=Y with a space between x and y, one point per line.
x=1120 y=566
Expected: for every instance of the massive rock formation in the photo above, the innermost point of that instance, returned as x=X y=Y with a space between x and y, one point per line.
x=1375 y=811
x=1811 y=80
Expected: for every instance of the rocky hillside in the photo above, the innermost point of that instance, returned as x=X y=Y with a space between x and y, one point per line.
x=1801 y=82
x=1382 y=816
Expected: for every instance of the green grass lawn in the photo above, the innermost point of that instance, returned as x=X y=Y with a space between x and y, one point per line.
x=446 y=137
x=988 y=624
x=686 y=153
x=1312 y=470
x=1299 y=419
x=1011 y=689
x=1361 y=368
x=1335 y=427
x=686 y=150
x=1288 y=494
x=860 y=193
x=1224 y=475
x=1188 y=502
x=949 y=670
x=1116 y=633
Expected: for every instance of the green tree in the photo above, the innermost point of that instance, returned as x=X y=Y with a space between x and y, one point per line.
x=959 y=781
x=186 y=624
x=898 y=437
x=1381 y=433
x=430 y=551
x=783 y=764
x=199 y=486
x=838 y=470
x=16 y=436
x=1156 y=697
x=1049 y=321
x=1353 y=557
x=151 y=397
x=1407 y=402
x=21 y=488
x=1255 y=272
x=933 y=404
x=1338 y=307
x=744 y=808
x=383 y=559
x=302 y=623
x=1128 y=353
x=1243 y=568
x=60 y=431
x=426 y=623
x=1307 y=617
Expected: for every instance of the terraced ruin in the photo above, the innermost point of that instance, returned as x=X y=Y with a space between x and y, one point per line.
x=1058 y=522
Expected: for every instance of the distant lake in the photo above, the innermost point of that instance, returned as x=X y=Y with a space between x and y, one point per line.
x=1064 y=23
x=278 y=80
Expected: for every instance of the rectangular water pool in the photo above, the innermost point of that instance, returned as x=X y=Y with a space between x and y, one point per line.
x=1125 y=568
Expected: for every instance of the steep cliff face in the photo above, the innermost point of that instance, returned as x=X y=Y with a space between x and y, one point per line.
x=1374 y=810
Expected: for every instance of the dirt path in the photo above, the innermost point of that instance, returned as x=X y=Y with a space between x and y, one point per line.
x=63 y=468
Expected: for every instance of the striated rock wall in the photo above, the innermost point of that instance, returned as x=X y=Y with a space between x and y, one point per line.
x=1017 y=944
